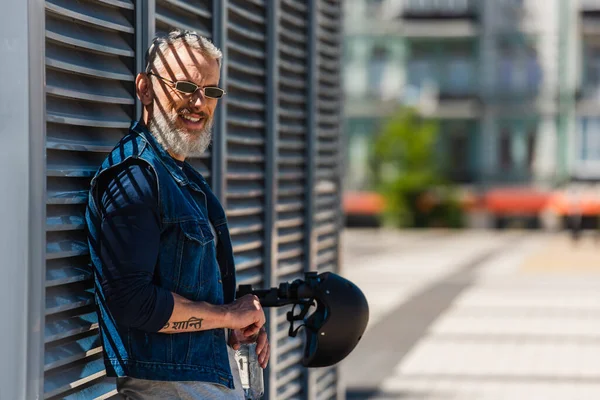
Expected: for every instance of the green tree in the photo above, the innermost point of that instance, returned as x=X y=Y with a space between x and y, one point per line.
x=406 y=168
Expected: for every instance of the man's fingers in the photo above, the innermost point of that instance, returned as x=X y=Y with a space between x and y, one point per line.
x=261 y=341
x=251 y=330
x=263 y=359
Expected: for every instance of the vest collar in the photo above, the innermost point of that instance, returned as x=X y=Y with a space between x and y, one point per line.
x=168 y=161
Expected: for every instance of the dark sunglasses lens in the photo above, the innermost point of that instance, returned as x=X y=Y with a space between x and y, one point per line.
x=186 y=87
x=213 y=92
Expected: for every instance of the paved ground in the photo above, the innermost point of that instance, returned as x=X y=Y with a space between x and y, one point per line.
x=475 y=315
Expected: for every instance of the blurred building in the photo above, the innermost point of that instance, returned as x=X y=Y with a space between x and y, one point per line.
x=514 y=84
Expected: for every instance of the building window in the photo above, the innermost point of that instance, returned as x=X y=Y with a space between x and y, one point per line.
x=506 y=161
x=422 y=66
x=591 y=68
x=459 y=75
x=589 y=143
x=374 y=9
x=531 y=140
x=518 y=69
x=376 y=73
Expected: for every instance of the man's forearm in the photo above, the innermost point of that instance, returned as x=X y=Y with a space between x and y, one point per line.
x=191 y=316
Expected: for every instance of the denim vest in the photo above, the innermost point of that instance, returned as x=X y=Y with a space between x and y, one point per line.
x=189 y=264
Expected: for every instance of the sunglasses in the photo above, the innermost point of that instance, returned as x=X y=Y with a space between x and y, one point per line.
x=212 y=92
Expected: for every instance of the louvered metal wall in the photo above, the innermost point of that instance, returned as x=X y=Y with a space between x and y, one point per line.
x=275 y=161
x=292 y=23
x=90 y=59
x=246 y=135
x=327 y=216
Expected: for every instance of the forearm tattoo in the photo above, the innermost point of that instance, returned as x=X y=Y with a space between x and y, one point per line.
x=193 y=322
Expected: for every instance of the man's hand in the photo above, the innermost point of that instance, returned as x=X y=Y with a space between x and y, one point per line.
x=245 y=314
x=263 y=349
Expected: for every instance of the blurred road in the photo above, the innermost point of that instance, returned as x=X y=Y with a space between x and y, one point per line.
x=475 y=315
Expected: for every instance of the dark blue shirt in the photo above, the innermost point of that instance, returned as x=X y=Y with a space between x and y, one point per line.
x=129 y=244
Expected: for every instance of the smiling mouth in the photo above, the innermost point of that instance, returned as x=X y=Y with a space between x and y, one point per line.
x=191 y=120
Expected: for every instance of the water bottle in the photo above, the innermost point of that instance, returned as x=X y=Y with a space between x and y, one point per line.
x=251 y=373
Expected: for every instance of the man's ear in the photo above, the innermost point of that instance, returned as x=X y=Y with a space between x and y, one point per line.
x=144 y=89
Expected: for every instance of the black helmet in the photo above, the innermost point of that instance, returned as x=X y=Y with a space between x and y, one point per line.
x=334 y=329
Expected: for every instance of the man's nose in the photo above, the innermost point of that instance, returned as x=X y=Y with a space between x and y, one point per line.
x=197 y=101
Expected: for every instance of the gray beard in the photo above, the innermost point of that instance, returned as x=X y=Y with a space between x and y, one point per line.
x=177 y=140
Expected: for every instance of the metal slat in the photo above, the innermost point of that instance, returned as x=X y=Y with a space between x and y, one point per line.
x=62 y=380
x=63 y=194
x=247 y=241
x=70 y=165
x=289 y=129
x=246 y=158
x=299 y=113
x=287 y=189
x=299 y=6
x=290 y=235
x=293 y=52
x=293 y=83
x=251 y=105
x=248 y=189
x=256 y=17
x=331 y=8
x=290 y=390
x=127 y=4
x=61 y=218
x=100 y=389
x=293 y=68
x=91 y=64
x=290 y=375
x=293 y=36
x=291 y=98
x=287 y=252
x=250 y=224
x=65 y=298
x=288 y=205
x=245 y=67
x=247 y=260
x=252 y=276
x=288 y=359
x=291 y=144
x=197 y=7
x=242 y=138
x=65 y=353
x=63 y=271
x=289 y=267
x=331 y=38
x=83 y=88
x=60 y=327
x=86 y=114
x=246 y=33
x=293 y=20
x=65 y=244
x=243 y=86
x=169 y=14
x=90 y=13
x=287 y=344
x=242 y=49
x=80 y=36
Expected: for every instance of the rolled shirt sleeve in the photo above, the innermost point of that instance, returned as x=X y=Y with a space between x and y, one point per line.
x=129 y=245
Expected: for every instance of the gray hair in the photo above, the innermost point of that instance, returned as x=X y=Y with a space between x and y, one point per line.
x=177 y=37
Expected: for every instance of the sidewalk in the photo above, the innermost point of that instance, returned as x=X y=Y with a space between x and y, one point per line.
x=476 y=315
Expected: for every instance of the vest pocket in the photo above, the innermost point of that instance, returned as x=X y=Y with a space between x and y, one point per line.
x=194 y=267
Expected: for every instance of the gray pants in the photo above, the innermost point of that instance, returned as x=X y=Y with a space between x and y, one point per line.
x=141 y=389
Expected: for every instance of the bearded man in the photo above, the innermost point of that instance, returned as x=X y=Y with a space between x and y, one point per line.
x=159 y=242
